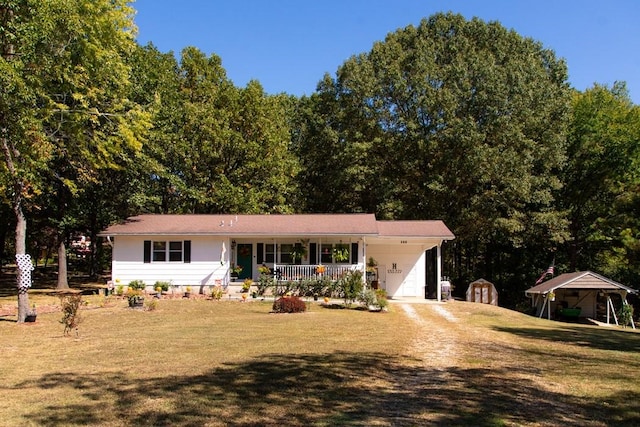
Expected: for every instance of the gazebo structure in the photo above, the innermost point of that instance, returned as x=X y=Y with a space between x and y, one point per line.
x=579 y=294
x=482 y=291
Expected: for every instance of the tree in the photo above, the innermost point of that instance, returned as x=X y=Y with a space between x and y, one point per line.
x=601 y=181
x=453 y=119
x=64 y=116
x=216 y=147
x=24 y=148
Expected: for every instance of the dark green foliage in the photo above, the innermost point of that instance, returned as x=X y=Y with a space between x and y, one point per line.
x=163 y=285
x=350 y=286
x=137 y=285
x=625 y=315
x=453 y=119
x=603 y=151
x=287 y=304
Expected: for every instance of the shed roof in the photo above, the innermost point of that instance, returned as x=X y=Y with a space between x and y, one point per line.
x=578 y=280
x=277 y=225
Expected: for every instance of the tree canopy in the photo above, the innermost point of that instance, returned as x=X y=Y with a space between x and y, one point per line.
x=453 y=119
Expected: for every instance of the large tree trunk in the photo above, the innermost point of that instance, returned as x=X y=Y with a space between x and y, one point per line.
x=63 y=283
x=21 y=226
x=21 y=249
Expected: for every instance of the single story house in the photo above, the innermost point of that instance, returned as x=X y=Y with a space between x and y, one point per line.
x=204 y=250
x=579 y=294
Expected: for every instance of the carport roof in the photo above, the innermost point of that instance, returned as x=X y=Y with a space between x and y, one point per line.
x=578 y=280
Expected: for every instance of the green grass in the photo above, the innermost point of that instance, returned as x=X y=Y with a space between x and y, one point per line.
x=199 y=362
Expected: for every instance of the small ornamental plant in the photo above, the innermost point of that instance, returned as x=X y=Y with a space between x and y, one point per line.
x=70 y=312
x=288 y=304
x=217 y=292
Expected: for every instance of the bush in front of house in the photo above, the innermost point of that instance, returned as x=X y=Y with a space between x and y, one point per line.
x=163 y=285
x=350 y=285
x=136 y=285
x=289 y=305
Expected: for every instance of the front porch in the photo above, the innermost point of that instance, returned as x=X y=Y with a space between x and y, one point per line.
x=295 y=273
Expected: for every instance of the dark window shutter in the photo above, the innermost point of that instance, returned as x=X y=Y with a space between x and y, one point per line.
x=187 y=251
x=147 y=251
x=313 y=253
x=260 y=253
x=354 y=253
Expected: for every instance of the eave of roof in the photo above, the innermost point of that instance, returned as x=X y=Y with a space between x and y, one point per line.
x=278 y=225
x=248 y=225
x=578 y=280
x=418 y=229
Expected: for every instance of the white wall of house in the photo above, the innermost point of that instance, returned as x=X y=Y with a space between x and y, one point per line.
x=203 y=270
x=401 y=266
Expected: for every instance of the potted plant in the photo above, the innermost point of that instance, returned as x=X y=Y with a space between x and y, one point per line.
x=135 y=298
x=235 y=270
x=340 y=253
x=320 y=269
x=134 y=293
x=246 y=285
x=298 y=252
x=551 y=296
x=31 y=314
x=187 y=292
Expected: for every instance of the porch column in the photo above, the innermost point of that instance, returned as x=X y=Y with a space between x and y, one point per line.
x=439 y=271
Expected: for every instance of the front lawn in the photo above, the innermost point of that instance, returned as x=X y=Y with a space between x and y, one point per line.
x=201 y=362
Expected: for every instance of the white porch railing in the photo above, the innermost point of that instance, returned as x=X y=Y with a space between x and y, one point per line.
x=301 y=272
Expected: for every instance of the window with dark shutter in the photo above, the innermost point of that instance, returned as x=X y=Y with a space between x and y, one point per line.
x=313 y=253
x=260 y=254
x=147 y=251
x=187 y=251
x=354 y=253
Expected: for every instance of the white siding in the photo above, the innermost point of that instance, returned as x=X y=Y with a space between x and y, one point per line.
x=408 y=277
x=205 y=266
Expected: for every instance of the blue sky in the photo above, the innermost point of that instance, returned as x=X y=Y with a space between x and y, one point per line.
x=288 y=45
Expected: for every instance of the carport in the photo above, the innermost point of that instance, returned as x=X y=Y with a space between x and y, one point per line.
x=580 y=294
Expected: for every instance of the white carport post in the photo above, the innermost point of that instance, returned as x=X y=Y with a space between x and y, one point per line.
x=439 y=271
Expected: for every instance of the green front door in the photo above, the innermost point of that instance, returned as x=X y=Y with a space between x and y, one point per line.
x=245 y=260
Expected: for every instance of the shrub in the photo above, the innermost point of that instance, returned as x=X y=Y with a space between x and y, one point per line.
x=70 y=316
x=152 y=305
x=625 y=314
x=381 y=298
x=350 y=286
x=137 y=285
x=368 y=297
x=289 y=305
x=163 y=285
x=264 y=281
x=217 y=292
